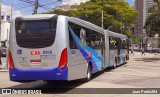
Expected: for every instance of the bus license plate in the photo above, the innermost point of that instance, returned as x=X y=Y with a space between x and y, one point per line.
x=35 y=62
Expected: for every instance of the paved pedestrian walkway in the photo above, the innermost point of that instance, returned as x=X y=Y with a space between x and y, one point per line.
x=2 y=67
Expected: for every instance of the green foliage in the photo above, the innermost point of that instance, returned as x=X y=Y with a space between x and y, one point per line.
x=152 y=24
x=136 y=40
x=116 y=12
x=129 y=33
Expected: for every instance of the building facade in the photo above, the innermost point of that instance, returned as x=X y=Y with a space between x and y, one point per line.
x=142 y=7
x=5 y=29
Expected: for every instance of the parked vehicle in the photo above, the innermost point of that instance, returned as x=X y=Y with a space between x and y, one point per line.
x=3 y=52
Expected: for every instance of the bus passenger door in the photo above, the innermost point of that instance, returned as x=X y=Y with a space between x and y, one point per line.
x=103 y=52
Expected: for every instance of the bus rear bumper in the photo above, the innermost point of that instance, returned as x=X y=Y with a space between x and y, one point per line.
x=20 y=75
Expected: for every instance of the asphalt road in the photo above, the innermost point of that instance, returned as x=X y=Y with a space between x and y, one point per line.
x=139 y=72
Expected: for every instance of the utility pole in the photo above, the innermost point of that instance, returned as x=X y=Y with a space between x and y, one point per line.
x=0 y=21
x=35 y=7
x=11 y=10
x=7 y=42
x=122 y=25
x=102 y=18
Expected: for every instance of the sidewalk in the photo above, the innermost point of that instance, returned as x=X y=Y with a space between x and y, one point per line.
x=148 y=57
x=3 y=68
x=146 y=53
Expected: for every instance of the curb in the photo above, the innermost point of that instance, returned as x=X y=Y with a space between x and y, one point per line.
x=4 y=70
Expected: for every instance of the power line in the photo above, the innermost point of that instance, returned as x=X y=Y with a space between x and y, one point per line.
x=27 y=1
x=16 y=9
x=16 y=14
x=24 y=11
x=37 y=4
x=49 y=3
x=6 y=2
x=32 y=3
x=26 y=6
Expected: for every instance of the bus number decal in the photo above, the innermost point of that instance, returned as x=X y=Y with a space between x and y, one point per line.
x=47 y=52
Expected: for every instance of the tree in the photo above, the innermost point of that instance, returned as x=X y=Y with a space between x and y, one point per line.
x=152 y=24
x=116 y=12
x=136 y=40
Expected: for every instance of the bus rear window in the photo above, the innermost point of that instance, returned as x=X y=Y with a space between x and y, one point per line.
x=36 y=33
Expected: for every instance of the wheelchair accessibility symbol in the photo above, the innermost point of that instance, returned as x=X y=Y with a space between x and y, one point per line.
x=19 y=52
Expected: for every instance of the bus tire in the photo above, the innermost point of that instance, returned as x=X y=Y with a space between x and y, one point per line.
x=115 y=63
x=125 y=60
x=127 y=57
x=89 y=74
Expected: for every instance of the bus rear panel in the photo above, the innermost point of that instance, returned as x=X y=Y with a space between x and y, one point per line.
x=38 y=49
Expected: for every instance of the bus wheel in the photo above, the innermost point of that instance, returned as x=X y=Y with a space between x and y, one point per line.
x=89 y=73
x=127 y=57
x=115 y=63
x=125 y=60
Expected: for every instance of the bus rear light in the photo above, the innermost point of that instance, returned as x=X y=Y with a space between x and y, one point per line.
x=11 y=63
x=64 y=59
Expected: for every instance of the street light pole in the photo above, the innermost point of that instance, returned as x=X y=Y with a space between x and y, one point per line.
x=102 y=18
x=0 y=21
x=7 y=42
x=11 y=11
x=122 y=25
x=141 y=41
x=109 y=27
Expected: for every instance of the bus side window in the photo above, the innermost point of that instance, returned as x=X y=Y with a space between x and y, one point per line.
x=124 y=44
x=112 y=43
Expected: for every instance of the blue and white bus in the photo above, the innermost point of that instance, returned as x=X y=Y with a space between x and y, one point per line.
x=55 y=47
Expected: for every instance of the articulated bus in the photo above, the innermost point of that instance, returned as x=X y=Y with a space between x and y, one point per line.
x=55 y=47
